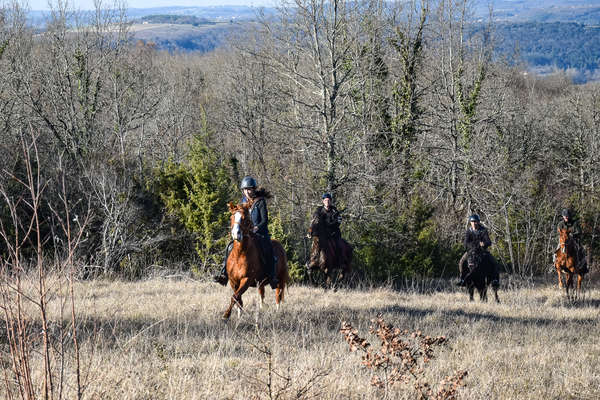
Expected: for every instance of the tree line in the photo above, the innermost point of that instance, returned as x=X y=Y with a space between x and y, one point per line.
x=409 y=122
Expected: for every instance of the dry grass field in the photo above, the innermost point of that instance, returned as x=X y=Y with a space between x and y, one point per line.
x=165 y=339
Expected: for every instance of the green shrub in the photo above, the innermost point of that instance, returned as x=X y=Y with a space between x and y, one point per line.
x=196 y=193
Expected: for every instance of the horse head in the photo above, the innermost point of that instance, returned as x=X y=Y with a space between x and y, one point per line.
x=564 y=240
x=241 y=224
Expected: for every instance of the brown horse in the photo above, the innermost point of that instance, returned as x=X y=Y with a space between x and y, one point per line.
x=244 y=264
x=333 y=256
x=567 y=263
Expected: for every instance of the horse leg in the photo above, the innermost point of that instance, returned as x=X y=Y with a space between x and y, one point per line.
x=560 y=278
x=495 y=289
x=579 y=283
x=471 y=292
x=483 y=293
x=568 y=283
x=279 y=290
x=236 y=298
x=261 y=294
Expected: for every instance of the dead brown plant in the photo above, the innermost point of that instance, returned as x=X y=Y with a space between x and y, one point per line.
x=402 y=358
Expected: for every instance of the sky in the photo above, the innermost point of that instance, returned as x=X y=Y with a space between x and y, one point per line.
x=89 y=4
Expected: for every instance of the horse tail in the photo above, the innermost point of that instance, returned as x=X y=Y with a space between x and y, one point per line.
x=281 y=269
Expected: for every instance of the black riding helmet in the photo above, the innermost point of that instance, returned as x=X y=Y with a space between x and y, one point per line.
x=566 y=213
x=248 y=183
x=474 y=218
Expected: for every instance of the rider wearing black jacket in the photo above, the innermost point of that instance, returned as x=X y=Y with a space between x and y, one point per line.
x=326 y=220
x=477 y=240
x=260 y=220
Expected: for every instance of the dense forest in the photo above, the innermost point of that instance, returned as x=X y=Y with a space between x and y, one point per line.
x=558 y=45
x=120 y=157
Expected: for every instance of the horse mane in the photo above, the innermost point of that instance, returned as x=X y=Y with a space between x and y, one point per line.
x=262 y=192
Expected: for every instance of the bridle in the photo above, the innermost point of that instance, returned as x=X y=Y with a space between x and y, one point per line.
x=238 y=231
x=564 y=242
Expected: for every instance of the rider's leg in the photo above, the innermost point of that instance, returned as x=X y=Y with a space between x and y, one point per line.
x=270 y=262
x=222 y=278
x=462 y=270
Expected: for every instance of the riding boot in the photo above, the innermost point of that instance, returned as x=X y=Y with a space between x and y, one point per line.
x=222 y=277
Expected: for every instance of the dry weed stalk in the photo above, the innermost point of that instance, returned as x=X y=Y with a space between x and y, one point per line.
x=401 y=359
x=274 y=381
x=23 y=242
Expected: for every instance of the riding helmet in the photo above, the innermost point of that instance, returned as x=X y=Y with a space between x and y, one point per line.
x=248 y=183
x=566 y=213
x=326 y=196
x=474 y=218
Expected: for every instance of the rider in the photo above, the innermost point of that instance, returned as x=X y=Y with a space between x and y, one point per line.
x=260 y=220
x=326 y=219
x=477 y=238
x=572 y=226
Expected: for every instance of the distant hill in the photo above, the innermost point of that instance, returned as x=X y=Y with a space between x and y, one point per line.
x=215 y=13
x=184 y=37
x=545 y=34
x=547 y=46
x=580 y=11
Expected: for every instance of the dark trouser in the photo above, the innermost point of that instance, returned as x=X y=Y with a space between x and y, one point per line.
x=266 y=248
x=227 y=251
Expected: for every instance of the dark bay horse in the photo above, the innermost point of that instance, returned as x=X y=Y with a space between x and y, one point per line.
x=333 y=256
x=480 y=274
x=244 y=264
x=567 y=263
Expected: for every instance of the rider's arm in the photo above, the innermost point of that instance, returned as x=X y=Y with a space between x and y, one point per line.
x=485 y=238
x=263 y=220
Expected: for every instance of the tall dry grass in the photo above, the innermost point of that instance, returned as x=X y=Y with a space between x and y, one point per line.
x=164 y=339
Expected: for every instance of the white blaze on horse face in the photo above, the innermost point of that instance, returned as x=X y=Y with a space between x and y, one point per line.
x=236 y=231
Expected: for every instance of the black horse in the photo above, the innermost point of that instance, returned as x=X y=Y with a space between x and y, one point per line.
x=480 y=273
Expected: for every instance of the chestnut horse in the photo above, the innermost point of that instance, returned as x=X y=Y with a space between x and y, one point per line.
x=332 y=256
x=244 y=264
x=567 y=263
